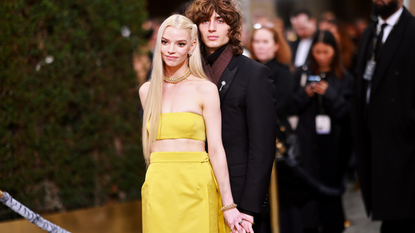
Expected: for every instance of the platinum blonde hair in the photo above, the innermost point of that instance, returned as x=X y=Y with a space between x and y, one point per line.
x=152 y=110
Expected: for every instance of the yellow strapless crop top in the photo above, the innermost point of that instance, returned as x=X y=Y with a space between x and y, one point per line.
x=181 y=125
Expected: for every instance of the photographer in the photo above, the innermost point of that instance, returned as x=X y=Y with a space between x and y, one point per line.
x=321 y=99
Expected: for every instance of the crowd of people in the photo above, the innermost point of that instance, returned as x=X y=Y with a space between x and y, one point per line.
x=215 y=98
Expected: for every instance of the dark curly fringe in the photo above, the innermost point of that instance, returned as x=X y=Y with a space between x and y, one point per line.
x=200 y=10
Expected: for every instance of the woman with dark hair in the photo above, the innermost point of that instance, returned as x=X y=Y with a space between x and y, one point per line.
x=344 y=41
x=321 y=99
x=268 y=46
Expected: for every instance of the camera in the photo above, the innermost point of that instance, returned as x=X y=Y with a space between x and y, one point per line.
x=313 y=78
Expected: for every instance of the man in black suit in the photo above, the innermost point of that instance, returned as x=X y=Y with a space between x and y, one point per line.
x=247 y=103
x=384 y=117
x=304 y=26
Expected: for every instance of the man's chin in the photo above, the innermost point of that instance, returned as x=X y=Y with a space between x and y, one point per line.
x=384 y=10
x=213 y=46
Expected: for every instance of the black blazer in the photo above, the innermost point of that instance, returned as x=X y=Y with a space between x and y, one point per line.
x=294 y=46
x=384 y=131
x=248 y=131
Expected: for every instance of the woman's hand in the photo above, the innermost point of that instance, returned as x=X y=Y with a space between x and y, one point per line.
x=309 y=90
x=321 y=87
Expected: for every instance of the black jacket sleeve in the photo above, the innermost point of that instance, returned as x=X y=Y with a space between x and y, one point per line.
x=260 y=104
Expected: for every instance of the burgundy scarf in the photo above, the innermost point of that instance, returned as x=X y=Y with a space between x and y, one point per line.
x=215 y=71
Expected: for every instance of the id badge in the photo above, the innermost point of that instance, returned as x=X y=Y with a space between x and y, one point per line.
x=370 y=70
x=323 y=124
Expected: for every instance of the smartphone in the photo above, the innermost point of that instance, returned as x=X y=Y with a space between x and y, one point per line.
x=313 y=78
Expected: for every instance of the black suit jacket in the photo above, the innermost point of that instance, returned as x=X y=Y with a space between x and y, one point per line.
x=248 y=130
x=294 y=46
x=384 y=131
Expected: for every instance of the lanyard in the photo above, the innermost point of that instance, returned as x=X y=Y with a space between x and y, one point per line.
x=320 y=97
x=371 y=63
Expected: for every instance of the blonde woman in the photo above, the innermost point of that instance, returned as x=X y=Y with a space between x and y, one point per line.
x=185 y=188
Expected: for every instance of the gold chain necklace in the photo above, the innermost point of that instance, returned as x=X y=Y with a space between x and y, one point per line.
x=179 y=79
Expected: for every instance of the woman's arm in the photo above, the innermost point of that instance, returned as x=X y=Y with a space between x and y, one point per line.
x=143 y=91
x=213 y=120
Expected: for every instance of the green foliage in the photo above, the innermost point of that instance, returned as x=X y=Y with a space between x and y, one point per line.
x=69 y=108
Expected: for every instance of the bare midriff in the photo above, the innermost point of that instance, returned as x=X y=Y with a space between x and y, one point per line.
x=178 y=145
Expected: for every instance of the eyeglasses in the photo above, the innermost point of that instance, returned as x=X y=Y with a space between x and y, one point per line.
x=267 y=25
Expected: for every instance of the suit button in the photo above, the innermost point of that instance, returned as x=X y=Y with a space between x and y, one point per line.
x=393 y=100
x=396 y=73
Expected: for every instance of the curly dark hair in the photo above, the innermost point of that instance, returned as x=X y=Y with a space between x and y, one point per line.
x=200 y=10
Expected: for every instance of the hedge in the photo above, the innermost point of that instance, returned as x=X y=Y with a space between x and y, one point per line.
x=69 y=108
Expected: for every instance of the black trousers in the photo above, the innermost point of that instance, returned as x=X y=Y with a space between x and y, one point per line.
x=265 y=224
x=258 y=222
x=324 y=215
x=398 y=226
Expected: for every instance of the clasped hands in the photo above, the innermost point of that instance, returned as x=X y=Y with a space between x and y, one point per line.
x=316 y=88
x=238 y=222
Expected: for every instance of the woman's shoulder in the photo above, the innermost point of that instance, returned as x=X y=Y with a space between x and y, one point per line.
x=277 y=67
x=348 y=77
x=143 y=91
x=204 y=86
x=201 y=86
x=144 y=88
x=348 y=74
x=298 y=71
x=282 y=66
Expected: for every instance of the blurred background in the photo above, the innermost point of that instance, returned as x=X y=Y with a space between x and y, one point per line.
x=70 y=116
x=69 y=108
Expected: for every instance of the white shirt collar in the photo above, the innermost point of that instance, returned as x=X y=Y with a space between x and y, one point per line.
x=393 y=19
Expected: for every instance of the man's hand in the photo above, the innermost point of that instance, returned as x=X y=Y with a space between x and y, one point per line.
x=233 y=218
x=247 y=221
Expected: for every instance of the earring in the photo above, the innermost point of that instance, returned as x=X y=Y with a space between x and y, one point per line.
x=190 y=53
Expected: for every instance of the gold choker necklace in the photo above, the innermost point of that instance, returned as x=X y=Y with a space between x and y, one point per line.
x=179 y=79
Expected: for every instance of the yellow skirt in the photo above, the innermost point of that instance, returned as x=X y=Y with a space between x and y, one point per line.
x=180 y=194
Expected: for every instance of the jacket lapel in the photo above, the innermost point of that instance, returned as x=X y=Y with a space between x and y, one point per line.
x=226 y=81
x=294 y=47
x=364 y=50
x=389 y=49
